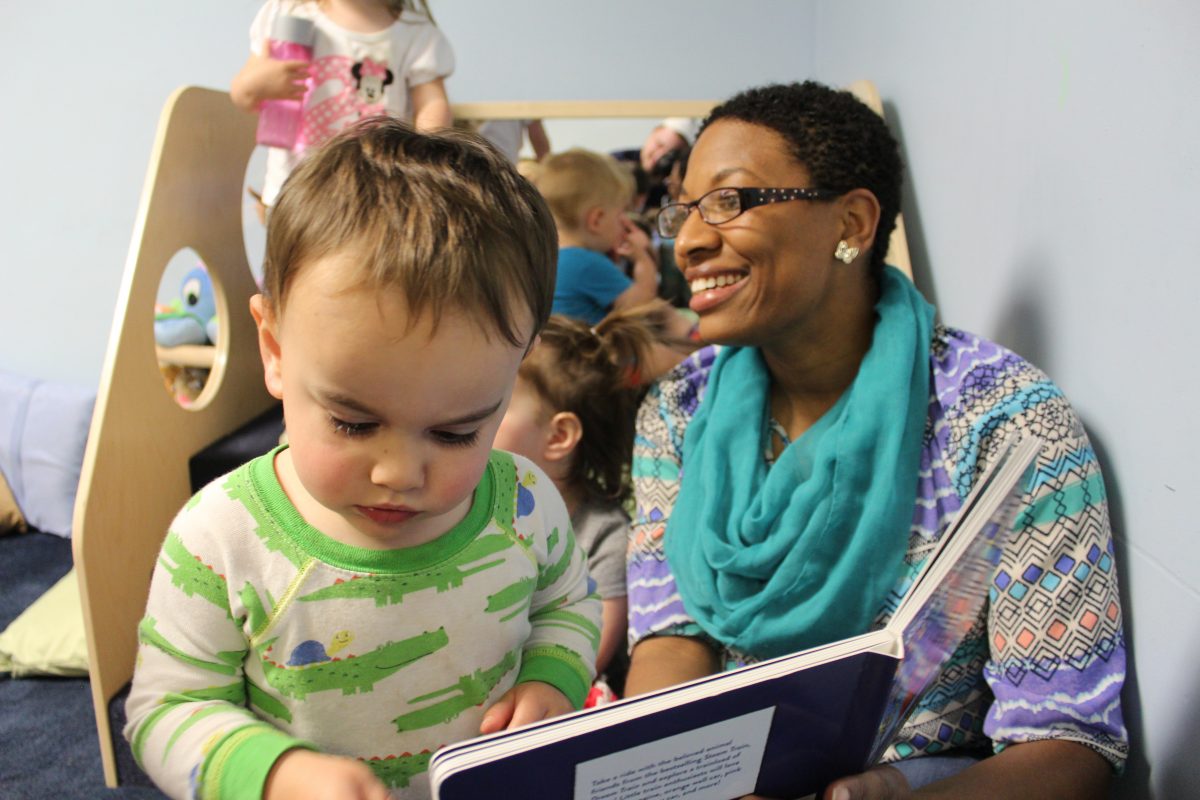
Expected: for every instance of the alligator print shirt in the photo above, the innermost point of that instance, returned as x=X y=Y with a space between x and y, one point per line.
x=262 y=634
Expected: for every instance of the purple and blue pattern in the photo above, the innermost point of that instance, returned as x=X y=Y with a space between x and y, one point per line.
x=1046 y=657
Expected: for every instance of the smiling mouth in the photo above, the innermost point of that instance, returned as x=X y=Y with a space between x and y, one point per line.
x=707 y=282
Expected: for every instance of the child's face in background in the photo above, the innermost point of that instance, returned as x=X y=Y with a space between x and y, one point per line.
x=525 y=429
x=389 y=427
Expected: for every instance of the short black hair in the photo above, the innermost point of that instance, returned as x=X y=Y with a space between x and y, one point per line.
x=842 y=143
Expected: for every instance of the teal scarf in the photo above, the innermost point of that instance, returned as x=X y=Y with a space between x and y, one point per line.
x=773 y=560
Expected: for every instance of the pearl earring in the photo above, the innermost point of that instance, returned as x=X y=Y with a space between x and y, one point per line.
x=845 y=253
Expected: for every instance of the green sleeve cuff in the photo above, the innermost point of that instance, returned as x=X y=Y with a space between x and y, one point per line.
x=557 y=673
x=240 y=763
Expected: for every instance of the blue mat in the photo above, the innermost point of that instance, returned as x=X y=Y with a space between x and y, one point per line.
x=48 y=733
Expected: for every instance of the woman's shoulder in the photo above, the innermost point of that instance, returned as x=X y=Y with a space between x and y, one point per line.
x=972 y=371
x=672 y=400
x=689 y=377
x=987 y=393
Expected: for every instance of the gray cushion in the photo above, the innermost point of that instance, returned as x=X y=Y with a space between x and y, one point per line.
x=43 y=429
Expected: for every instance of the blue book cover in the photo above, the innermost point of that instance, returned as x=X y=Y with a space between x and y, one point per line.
x=780 y=728
x=777 y=729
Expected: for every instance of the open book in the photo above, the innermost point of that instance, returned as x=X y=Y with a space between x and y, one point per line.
x=780 y=728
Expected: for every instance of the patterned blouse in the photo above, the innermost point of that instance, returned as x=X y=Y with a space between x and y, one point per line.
x=1046 y=658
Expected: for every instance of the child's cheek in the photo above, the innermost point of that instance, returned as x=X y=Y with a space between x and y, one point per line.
x=327 y=471
x=460 y=481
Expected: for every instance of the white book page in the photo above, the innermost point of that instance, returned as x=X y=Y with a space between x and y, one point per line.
x=715 y=762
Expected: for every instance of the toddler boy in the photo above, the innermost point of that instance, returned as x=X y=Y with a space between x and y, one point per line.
x=588 y=194
x=325 y=616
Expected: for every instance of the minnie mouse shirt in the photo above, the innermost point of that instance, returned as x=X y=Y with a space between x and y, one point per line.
x=352 y=75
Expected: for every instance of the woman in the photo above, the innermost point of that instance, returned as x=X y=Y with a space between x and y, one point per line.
x=832 y=437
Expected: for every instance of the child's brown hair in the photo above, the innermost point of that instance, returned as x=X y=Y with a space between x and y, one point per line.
x=596 y=374
x=442 y=217
x=576 y=180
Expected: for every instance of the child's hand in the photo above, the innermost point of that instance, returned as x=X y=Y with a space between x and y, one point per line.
x=282 y=80
x=301 y=774
x=525 y=703
x=636 y=244
x=263 y=78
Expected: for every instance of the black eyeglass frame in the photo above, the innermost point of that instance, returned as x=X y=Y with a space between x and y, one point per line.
x=748 y=198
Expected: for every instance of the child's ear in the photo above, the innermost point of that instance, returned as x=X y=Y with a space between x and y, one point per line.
x=565 y=432
x=268 y=344
x=593 y=218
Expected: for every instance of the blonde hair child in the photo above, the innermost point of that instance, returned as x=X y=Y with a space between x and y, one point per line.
x=588 y=194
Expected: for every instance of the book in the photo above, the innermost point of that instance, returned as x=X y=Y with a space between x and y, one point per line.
x=785 y=727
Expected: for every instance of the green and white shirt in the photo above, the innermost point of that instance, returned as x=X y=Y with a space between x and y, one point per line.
x=262 y=634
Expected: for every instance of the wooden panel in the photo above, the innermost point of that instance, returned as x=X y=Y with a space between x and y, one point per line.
x=187 y=355
x=135 y=471
x=897 y=254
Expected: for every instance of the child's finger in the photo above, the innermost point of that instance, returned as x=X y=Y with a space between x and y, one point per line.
x=526 y=713
x=377 y=791
x=878 y=783
x=369 y=787
x=497 y=717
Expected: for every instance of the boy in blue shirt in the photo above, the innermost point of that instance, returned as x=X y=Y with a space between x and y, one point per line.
x=588 y=193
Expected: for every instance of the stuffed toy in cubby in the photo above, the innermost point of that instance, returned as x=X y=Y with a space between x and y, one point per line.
x=192 y=317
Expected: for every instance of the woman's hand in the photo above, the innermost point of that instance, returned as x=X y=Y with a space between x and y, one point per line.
x=528 y=702
x=877 y=783
x=263 y=78
x=1047 y=769
x=302 y=774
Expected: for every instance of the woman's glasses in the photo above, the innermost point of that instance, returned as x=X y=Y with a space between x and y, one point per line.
x=726 y=203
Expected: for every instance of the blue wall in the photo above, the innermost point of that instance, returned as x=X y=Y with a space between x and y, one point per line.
x=1051 y=205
